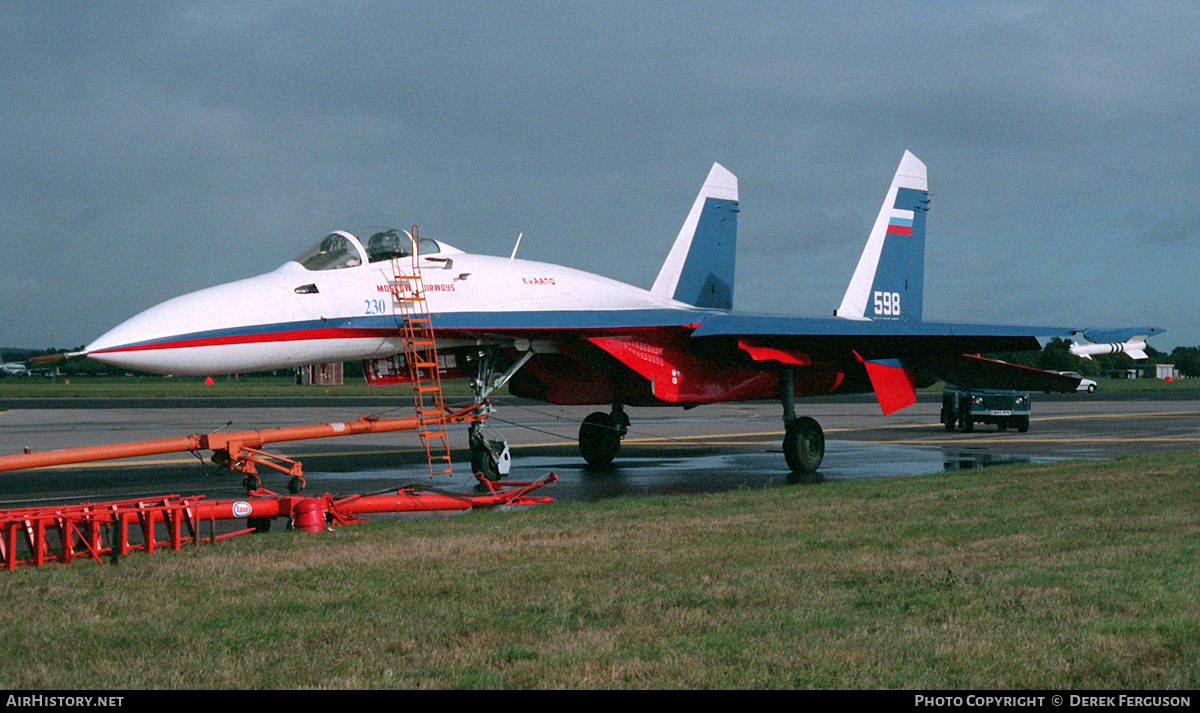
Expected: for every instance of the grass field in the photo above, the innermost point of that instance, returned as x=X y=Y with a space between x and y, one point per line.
x=1068 y=576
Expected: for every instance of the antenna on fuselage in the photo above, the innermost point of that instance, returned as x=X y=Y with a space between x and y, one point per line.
x=514 y=252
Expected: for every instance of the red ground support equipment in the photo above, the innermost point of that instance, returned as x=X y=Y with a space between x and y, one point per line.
x=238 y=450
x=61 y=534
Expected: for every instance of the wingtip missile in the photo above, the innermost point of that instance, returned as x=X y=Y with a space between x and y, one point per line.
x=1135 y=348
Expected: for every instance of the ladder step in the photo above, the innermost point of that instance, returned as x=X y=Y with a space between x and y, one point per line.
x=410 y=304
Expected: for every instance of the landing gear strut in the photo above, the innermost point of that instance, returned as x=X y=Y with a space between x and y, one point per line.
x=600 y=436
x=804 y=441
x=490 y=455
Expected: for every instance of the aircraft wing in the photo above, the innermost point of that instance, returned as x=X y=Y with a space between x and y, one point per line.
x=701 y=356
x=891 y=354
x=878 y=338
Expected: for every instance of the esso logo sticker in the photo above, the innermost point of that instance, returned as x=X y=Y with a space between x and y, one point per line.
x=241 y=509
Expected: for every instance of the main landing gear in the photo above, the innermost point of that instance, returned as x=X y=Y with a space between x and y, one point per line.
x=803 y=440
x=601 y=433
x=600 y=436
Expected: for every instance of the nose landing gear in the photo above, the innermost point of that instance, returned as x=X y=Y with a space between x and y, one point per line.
x=490 y=457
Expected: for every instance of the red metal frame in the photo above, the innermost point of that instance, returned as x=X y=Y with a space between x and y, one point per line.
x=42 y=535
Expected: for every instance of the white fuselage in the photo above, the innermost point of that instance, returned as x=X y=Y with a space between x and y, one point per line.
x=294 y=316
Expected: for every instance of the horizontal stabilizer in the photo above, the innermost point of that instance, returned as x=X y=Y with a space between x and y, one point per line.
x=973 y=372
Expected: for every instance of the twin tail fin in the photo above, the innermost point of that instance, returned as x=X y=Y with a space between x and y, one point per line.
x=700 y=267
x=889 y=282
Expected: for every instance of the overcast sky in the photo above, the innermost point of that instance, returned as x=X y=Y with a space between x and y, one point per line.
x=155 y=148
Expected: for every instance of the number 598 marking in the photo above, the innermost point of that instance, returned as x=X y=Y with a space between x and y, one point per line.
x=887 y=303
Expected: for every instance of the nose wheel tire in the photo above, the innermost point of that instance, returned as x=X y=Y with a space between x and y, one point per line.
x=490 y=457
x=484 y=462
x=804 y=445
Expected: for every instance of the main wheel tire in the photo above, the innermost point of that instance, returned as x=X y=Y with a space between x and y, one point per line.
x=1022 y=424
x=804 y=445
x=599 y=439
x=948 y=418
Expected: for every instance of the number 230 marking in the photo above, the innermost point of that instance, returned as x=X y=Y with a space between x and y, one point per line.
x=376 y=306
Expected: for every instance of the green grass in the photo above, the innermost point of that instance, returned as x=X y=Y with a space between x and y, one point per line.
x=1075 y=575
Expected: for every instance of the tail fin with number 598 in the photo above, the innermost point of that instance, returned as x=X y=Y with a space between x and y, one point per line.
x=889 y=282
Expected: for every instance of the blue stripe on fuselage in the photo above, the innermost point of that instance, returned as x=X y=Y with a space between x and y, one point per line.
x=385 y=326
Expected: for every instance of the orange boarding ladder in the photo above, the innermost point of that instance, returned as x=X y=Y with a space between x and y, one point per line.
x=420 y=353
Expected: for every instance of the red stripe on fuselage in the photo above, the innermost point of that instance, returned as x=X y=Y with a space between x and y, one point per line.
x=900 y=229
x=291 y=336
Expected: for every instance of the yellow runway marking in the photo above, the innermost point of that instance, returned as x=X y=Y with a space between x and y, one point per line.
x=766 y=437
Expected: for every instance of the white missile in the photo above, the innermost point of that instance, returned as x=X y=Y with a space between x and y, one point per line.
x=1135 y=348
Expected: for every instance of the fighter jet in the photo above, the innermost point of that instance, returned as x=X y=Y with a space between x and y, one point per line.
x=566 y=336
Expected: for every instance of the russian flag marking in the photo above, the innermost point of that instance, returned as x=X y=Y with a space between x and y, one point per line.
x=900 y=222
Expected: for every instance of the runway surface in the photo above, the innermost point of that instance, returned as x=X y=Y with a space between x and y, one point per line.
x=707 y=449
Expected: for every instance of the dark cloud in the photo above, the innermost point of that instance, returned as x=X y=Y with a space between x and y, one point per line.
x=155 y=148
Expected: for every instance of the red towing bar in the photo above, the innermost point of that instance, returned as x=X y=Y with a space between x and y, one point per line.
x=234 y=445
x=41 y=535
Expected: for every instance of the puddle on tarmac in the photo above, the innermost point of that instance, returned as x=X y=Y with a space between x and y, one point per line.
x=690 y=473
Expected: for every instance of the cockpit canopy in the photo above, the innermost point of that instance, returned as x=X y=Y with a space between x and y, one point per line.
x=342 y=248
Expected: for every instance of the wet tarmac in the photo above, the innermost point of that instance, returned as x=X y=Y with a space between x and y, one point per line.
x=667 y=451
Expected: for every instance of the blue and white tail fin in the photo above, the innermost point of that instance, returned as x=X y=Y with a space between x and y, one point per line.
x=889 y=282
x=699 y=268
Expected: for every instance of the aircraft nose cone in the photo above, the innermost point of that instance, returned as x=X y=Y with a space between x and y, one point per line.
x=149 y=341
x=197 y=333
